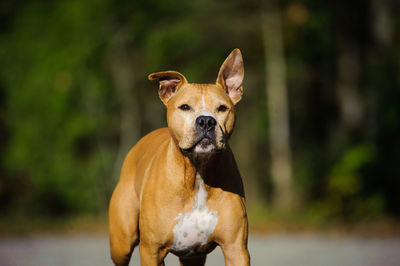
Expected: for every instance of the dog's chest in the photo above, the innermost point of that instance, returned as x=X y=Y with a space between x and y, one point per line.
x=194 y=227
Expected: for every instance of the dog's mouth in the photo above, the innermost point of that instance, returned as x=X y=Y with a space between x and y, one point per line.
x=203 y=145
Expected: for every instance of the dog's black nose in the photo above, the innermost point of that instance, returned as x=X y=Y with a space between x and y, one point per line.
x=205 y=123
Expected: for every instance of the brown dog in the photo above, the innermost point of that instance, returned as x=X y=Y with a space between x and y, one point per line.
x=180 y=190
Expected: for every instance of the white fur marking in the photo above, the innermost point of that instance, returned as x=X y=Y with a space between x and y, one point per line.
x=200 y=149
x=194 y=227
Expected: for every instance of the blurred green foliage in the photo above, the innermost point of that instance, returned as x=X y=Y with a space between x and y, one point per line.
x=345 y=184
x=51 y=75
x=60 y=113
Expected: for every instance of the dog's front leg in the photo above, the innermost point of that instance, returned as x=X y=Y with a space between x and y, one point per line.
x=234 y=245
x=123 y=222
x=151 y=255
x=236 y=255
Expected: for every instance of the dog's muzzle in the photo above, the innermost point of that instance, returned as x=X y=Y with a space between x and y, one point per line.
x=205 y=126
x=205 y=135
x=205 y=129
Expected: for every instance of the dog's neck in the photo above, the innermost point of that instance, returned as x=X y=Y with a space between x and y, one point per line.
x=203 y=164
x=203 y=161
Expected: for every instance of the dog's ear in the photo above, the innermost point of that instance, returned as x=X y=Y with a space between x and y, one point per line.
x=170 y=82
x=230 y=75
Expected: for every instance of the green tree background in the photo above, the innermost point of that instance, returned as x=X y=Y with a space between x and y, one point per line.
x=75 y=97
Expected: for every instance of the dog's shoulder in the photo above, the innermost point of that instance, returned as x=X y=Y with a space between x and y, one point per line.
x=146 y=148
x=151 y=143
x=155 y=137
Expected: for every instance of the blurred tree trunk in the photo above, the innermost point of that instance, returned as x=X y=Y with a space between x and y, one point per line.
x=379 y=50
x=350 y=20
x=350 y=102
x=276 y=89
x=382 y=28
x=122 y=73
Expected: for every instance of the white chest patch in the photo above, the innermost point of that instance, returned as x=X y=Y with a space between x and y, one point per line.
x=194 y=227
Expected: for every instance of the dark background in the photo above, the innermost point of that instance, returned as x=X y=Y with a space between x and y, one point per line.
x=74 y=98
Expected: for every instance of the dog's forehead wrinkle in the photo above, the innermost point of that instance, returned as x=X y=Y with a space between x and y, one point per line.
x=207 y=93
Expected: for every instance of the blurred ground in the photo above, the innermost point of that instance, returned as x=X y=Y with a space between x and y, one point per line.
x=274 y=250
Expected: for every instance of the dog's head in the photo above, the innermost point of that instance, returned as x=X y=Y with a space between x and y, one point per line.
x=201 y=116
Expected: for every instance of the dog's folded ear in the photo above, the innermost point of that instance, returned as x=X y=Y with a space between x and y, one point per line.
x=170 y=82
x=231 y=74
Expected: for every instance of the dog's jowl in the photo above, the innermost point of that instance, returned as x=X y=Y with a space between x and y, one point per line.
x=180 y=190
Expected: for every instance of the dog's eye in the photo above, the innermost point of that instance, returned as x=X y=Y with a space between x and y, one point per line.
x=222 y=108
x=184 y=107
